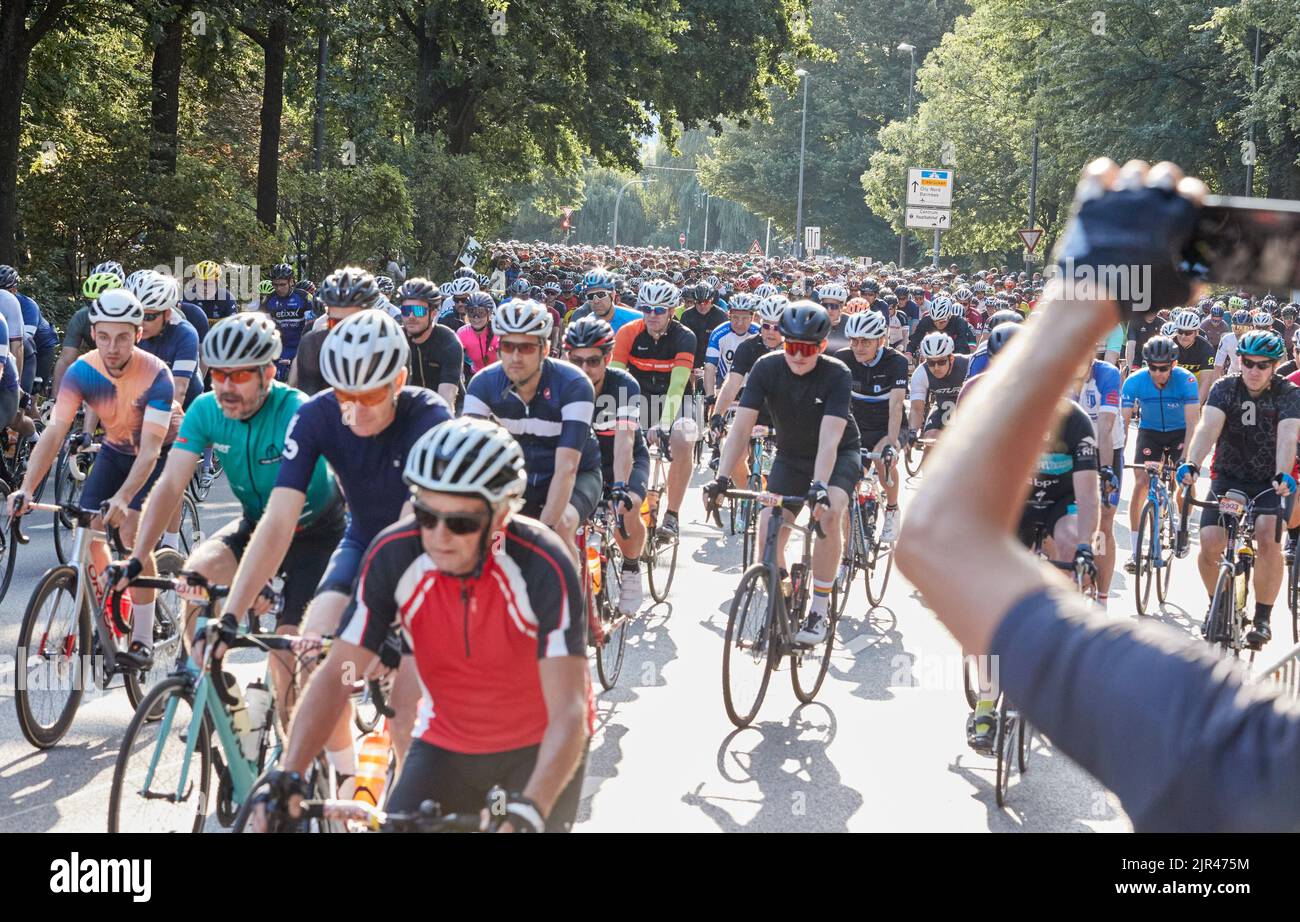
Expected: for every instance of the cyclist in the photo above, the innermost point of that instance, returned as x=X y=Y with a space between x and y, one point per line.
x=363 y=427
x=206 y=292
x=131 y=392
x=769 y=338
x=624 y=458
x=488 y=716
x=291 y=311
x=658 y=351
x=598 y=293
x=701 y=315
x=1225 y=358
x=245 y=419
x=437 y=358
x=879 y=388
x=165 y=334
x=547 y=405
x=1170 y=406
x=818 y=448
x=1097 y=390
x=1252 y=421
x=936 y=383
x=1214 y=325
x=477 y=340
x=724 y=340
x=944 y=318
x=1195 y=354
x=832 y=296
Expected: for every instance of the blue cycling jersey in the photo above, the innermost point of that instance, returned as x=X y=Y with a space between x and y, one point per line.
x=292 y=315
x=178 y=346
x=1162 y=407
x=979 y=360
x=723 y=342
x=31 y=317
x=369 y=469
x=46 y=338
x=196 y=318
x=216 y=308
x=559 y=415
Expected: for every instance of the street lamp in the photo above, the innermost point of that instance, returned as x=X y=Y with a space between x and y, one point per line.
x=911 y=82
x=803 y=134
x=618 y=200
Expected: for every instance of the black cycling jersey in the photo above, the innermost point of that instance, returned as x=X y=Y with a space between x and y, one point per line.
x=963 y=337
x=872 y=385
x=1139 y=331
x=308 y=378
x=1072 y=448
x=1197 y=357
x=702 y=325
x=437 y=360
x=742 y=363
x=1247 y=446
x=799 y=402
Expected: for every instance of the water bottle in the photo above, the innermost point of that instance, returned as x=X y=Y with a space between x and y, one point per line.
x=257 y=706
x=239 y=719
x=593 y=562
x=372 y=765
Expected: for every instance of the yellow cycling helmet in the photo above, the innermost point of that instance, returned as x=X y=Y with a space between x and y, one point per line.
x=98 y=283
x=207 y=271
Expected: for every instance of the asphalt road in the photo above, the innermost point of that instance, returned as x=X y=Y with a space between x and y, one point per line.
x=882 y=748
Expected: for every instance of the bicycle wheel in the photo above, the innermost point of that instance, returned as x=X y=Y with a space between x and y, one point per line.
x=156 y=751
x=609 y=655
x=319 y=783
x=54 y=650
x=912 y=458
x=1005 y=746
x=1292 y=594
x=848 y=570
x=749 y=651
x=1165 y=562
x=67 y=489
x=663 y=565
x=168 y=626
x=365 y=713
x=1145 y=551
x=191 y=533
x=1219 y=632
x=808 y=665
x=880 y=557
x=1025 y=743
x=8 y=549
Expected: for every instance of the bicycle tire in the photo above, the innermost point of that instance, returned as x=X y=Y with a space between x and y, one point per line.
x=8 y=549
x=912 y=458
x=1006 y=739
x=660 y=585
x=181 y=689
x=1221 y=612
x=1144 y=551
x=365 y=715
x=191 y=533
x=1026 y=743
x=747 y=623
x=169 y=616
x=876 y=574
x=320 y=789
x=66 y=490
x=849 y=561
x=73 y=655
x=1168 y=541
x=609 y=655
x=799 y=659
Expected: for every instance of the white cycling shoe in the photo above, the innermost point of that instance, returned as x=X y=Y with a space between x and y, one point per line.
x=889 y=531
x=630 y=595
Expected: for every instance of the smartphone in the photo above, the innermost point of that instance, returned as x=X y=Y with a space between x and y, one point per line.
x=1246 y=242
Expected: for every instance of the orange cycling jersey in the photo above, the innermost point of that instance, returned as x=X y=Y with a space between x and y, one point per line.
x=652 y=361
x=141 y=397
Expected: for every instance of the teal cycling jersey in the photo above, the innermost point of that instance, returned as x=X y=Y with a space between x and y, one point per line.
x=250 y=450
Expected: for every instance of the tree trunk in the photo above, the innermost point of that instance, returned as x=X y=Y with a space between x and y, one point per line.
x=165 y=95
x=14 y=55
x=268 y=157
x=322 y=86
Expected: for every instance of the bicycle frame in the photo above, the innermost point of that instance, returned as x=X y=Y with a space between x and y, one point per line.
x=777 y=523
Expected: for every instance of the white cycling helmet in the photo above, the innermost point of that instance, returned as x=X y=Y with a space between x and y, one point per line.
x=1262 y=319
x=242 y=340
x=868 y=324
x=112 y=267
x=155 y=291
x=658 y=294
x=366 y=351
x=470 y=456
x=832 y=291
x=445 y=289
x=771 y=308
x=1186 y=320
x=1169 y=328
x=936 y=345
x=942 y=309
x=464 y=286
x=117 y=305
x=963 y=294
x=742 y=301
x=766 y=290
x=523 y=317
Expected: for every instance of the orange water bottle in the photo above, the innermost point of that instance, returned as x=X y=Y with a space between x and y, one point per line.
x=372 y=765
x=593 y=567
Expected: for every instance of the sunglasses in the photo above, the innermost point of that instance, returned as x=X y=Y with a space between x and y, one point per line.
x=151 y=316
x=770 y=327
x=1259 y=366
x=456 y=300
x=803 y=350
x=458 y=523
x=1160 y=368
x=656 y=311
x=366 y=398
x=591 y=361
x=239 y=375
x=593 y=295
x=937 y=363
x=477 y=312
x=508 y=348
x=414 y=310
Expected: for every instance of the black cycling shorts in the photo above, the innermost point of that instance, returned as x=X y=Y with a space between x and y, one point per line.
x=638 y=481
x=1152 y=445
x=870 y=437
x=585 y=497
x=1048 y=516
x=109 y=472
x=793 y=476
x=459 y=782
x=304 y=562
x=1266 y=505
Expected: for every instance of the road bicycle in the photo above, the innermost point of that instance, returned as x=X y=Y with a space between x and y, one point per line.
x=362 y=817
x=743 y=514
x=765 y=616
x=600 y=589
x=866 y=552
x=660 y=554
x=1157 y=535
x=1226 y=625
x=914 y=453
x=75 y=460
x=70 y=635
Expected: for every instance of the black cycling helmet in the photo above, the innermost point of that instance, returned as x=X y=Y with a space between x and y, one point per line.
x=350 y=286
x=281 y=271
x=870 y=285
x=419 y=289
x=536 y=293
x=480 y=300
x=805 y=321
x=1000 y=336
x=589 y=332
x=1005 y=316
x=1159 y=349
x=464 y=272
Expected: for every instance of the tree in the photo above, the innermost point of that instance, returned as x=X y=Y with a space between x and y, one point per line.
x=274 y=42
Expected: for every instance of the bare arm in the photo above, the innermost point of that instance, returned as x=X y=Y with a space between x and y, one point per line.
x=624 y=439
x=730 y=388
x=1288 y=430
x=1205 y=380
x=1087 y=498
x=563 y=681
x=561 y=488
x=737 y=439
x=163 y=499
x=267 y=547
x=895 y=414
x=67 y=356
x=42 y=456
x=326 y=696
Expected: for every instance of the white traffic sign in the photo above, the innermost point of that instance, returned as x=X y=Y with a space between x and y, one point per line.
x=1030 y=237
x=929 y=187
x=937 y=218
x=812 y=238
